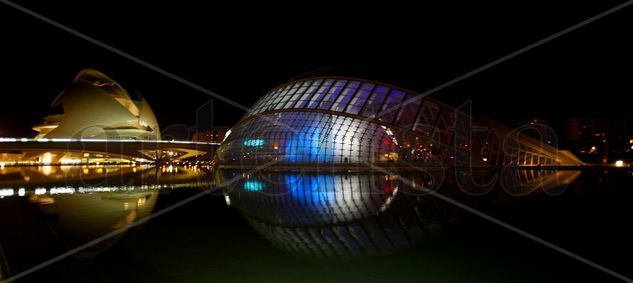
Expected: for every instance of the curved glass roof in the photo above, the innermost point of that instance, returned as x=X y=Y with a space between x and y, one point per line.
x=354 y=97
x=317 y=120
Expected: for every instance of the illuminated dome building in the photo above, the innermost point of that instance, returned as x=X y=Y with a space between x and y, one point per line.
x=346 y=121
x=95 y=106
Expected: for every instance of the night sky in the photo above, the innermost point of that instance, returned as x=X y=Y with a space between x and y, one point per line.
x=243 y=51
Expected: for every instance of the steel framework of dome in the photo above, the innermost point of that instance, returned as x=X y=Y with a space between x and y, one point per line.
x=343 y=121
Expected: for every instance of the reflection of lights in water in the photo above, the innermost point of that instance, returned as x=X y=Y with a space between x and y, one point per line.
x=312 y=188
x=46 y=170
x=78 y=219
x=253 y=186
x=316 y=199
x=41 y=200
x=6 y=193
x=56 y=191
x=140 y=201
x=389 y=199
x=126 y=205
x=90 y=190
x=65 y=168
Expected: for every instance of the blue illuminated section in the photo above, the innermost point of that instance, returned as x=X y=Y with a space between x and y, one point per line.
x=254 y=142
x=315 y=191
x=253 y=186
x=310 y=144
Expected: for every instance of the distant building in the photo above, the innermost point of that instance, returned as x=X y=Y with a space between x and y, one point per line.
x=215 y=135
x=600 y=140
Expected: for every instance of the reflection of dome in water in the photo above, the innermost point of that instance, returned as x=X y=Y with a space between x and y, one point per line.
x=95 y=106
x=80 y=218
x=337 y=215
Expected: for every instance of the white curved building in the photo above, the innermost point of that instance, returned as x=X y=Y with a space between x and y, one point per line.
x=100 y=123
x=97 y=107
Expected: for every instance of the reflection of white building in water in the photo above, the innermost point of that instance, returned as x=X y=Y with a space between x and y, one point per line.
x=99 y=122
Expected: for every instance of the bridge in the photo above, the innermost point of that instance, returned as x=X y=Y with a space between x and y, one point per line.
x=24 y=150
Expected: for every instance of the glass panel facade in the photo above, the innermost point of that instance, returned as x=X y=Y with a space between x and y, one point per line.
x=258 y=108
x=305 y=98
x=332 y=95
x=392 y=106
x=302 y=90
x=356 y=122
x=360 y=98
x=426 y=118
x=375 y=101
x=318 y=96
x=277 y=98
x=284 y=99
x=345 y=97
x=409 y=110
x=309 y=137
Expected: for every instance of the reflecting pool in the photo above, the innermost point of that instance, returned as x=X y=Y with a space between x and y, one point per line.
x=191 y=224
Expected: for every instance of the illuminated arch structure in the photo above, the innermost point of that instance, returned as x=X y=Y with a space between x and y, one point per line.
x=101 y=122
x=343 y=121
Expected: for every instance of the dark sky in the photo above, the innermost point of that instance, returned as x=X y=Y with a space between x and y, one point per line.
x=243 y=51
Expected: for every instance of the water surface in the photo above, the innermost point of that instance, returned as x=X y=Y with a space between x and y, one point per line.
x=274 y=226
